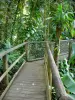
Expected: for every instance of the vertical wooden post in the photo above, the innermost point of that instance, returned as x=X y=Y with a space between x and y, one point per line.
x=5 y=67
x=26 y=49
x=48 y=76
x=70 y=49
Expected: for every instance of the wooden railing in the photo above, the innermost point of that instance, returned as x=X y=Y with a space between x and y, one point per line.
x=48 y=76
x=5 y=76
x=6 y=68
x=52 y=74
x=51 y=70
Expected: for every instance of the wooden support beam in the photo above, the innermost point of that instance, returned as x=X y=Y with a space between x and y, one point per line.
x=70 y=50
x=26 y=50
x=48 y=76
x=5 y=67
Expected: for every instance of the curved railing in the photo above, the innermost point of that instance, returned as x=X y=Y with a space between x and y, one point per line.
x=53 y=74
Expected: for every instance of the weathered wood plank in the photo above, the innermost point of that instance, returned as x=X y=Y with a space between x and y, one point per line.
x=29 y=84
x=3 y=94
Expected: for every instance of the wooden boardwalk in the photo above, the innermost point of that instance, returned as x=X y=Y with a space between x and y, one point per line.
x=29 y=84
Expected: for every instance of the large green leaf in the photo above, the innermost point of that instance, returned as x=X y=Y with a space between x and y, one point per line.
x=69 y=83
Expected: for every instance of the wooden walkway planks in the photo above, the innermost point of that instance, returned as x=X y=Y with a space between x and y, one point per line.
x=29 y=84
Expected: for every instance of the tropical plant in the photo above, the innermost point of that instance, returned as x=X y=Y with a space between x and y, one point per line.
x=67 y=77
x=62 y=21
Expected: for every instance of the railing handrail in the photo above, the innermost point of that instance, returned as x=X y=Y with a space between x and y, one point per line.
x=3 y=55
x=11 y=66
x=11 y=49
x=59 y=87
x=17 y=47
x=20 y=45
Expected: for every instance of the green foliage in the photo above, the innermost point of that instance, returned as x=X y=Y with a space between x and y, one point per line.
x=64 y=67
x=72 y=61
x=1 y=67
x=22 y=20
x=11 y=58
x=67 y=77
x=5 y=45
x=69 y=84
x=72 y=64
x=62 y=18
x=73 y=32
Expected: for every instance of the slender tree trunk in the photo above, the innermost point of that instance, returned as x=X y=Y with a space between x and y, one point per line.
x=7 y=21
x=57 y=44
x=11 y=39
x=45 y=37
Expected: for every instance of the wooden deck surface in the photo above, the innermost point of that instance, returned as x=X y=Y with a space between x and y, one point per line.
x=29 y=84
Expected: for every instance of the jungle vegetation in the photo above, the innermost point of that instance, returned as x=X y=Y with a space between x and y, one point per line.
x=39 y=20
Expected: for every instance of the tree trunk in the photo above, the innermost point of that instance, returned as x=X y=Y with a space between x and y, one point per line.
x=56 y=52
x=11 y=38
x=7 y=21
x=57 y=44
